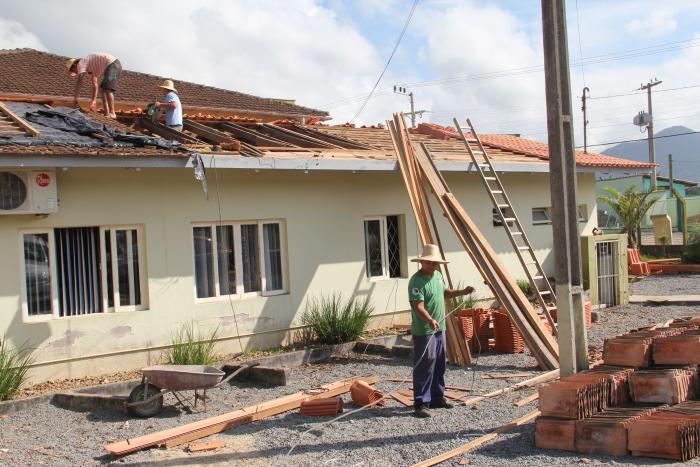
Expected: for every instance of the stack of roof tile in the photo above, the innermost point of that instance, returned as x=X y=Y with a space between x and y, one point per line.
x=669 y=433
x=507 y=338
x=664 y=385
x=364 y=394
x=475 y=328
x=588 y=311
x=635 y=348
x=678 y=350
x=619 y=383
x=576 y=397
x=324 y=407
x=606 y=432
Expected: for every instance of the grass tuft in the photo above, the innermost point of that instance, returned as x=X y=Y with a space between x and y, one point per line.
x=334 y=321
x=190 y=348
x=14 y=364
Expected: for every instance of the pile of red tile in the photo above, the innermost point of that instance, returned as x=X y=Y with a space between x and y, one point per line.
x=664 y=385
x=669 y=433
x=638 y=402
x=507 y=338
x=324 y=407
x=363 y=394
x=588 y=308
x=475 y=328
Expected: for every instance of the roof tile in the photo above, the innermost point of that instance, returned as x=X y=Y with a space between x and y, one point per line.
x=34 y=73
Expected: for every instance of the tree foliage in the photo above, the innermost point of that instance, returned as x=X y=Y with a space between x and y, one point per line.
x=630 y=206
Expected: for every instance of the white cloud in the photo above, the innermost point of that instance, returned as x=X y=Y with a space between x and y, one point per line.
x=13 y=35
x=658 y=23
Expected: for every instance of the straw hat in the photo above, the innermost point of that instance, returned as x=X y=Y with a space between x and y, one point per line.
x=69 y=63
x=168 y=84
x=430 y=253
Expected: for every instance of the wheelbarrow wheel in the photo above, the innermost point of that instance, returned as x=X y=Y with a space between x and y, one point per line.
x=139 y=394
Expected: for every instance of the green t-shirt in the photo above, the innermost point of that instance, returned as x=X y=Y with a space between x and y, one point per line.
x=431 y=291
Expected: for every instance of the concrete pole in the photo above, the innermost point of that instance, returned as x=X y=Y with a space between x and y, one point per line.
x=573 y=346
x=650 y=132
x=585 y=119
x=413 y=113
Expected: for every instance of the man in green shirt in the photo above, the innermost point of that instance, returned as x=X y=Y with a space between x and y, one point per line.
x=427 y=294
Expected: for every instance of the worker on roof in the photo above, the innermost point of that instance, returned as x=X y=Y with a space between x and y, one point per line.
x=97 y=65
x=172 y=105
x=427 y=294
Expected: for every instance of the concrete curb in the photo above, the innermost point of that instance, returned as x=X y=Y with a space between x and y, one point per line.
x=666 y=299
x=270 y=371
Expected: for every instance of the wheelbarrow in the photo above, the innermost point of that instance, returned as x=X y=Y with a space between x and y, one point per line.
x=146 y=399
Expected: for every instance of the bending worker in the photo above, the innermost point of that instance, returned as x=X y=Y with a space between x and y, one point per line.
x=427 y=294
x=172 y=105
x=97 y=65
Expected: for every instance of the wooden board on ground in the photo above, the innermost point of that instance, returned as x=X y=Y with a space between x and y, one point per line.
x=209 y=426
x=408 y=402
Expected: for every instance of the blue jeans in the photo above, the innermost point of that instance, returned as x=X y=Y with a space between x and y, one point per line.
x=429 y=372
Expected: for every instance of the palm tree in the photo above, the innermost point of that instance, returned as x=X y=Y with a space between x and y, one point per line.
x=631 y=207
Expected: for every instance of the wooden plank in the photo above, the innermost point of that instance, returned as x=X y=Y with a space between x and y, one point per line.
x=251 y=136
x=543 y=378
x=506 y=376
x=209 y=426
x=478 y=441
x=402 y=399
x=206 y=446
x=526 y=400
x=23 y=124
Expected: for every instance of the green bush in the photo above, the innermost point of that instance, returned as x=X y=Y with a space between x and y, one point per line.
x=526 y=288
x=465 y=302
x=691 y=253
x=190 y=348
x=334 y=321
x=14 y=365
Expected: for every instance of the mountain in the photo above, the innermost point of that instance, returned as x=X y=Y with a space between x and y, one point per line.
x=685 y=150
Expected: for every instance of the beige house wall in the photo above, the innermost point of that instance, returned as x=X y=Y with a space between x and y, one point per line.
x=323 y=213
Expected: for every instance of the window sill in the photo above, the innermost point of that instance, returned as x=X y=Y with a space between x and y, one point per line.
x=384 y=278
x=245 y=296
x=52 y=317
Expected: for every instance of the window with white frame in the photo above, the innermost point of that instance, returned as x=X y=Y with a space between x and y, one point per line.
x=239 y=258
x=544 y=215
x=82 y=271
x=383 y=247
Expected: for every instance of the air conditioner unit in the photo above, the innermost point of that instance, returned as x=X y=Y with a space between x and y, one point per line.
x=28 y=192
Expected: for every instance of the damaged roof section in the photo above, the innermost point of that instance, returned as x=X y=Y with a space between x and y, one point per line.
x=66 y=131
x=31 y=73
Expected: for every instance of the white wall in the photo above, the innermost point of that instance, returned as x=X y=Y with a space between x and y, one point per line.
x=323 y=212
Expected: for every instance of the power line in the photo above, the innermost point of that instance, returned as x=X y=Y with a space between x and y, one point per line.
x=396 y=46
x=580 y=48
x=640 y=93
x=642 y=139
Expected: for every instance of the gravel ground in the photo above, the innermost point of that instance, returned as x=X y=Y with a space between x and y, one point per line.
x=688 y=284
x=382 y=436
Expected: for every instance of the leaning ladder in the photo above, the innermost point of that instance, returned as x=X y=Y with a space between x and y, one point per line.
x=511 y=223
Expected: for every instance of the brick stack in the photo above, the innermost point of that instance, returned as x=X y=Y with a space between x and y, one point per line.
x=664 y=385
x=507 y=338
x=654 y=368
x=669 y=433
x=475 y=328
x=325 y=407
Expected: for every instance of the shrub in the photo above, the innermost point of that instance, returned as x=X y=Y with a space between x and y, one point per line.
x=691 y=252
x=189 y=348
x=465 y=302
x=14 y=364
x=526 y=288
x=335 y=321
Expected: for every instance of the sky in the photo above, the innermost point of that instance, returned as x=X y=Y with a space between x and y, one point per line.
x=480 y=59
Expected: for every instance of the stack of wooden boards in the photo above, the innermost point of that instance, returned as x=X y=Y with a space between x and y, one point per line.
x=638 y=402
x=418 y=170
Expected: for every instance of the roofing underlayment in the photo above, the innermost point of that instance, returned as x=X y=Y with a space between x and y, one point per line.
x=31 y=73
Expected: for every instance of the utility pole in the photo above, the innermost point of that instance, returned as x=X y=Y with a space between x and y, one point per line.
x=412 y=113
x=650 y=130
x=585 y=120
x=573 y=346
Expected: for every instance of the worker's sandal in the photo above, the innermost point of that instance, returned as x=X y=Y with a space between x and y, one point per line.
x=421 y=411
x=441 y=404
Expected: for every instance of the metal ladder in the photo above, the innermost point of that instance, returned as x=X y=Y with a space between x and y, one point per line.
x=511 y=223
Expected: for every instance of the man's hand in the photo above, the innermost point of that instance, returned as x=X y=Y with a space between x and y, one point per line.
x=467 y=290
x=75 y=104
x=93 y=105
x=158 y=104
x=435 y=324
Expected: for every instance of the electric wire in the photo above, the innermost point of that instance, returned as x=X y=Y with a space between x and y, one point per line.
x=221 y=229
x=396 y=46
x=642 y=139
x=580 y=48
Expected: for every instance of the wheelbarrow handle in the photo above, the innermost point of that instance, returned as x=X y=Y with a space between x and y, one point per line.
x=242 y=368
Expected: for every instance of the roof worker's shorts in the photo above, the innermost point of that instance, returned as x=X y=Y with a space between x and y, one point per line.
x=111 y=75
